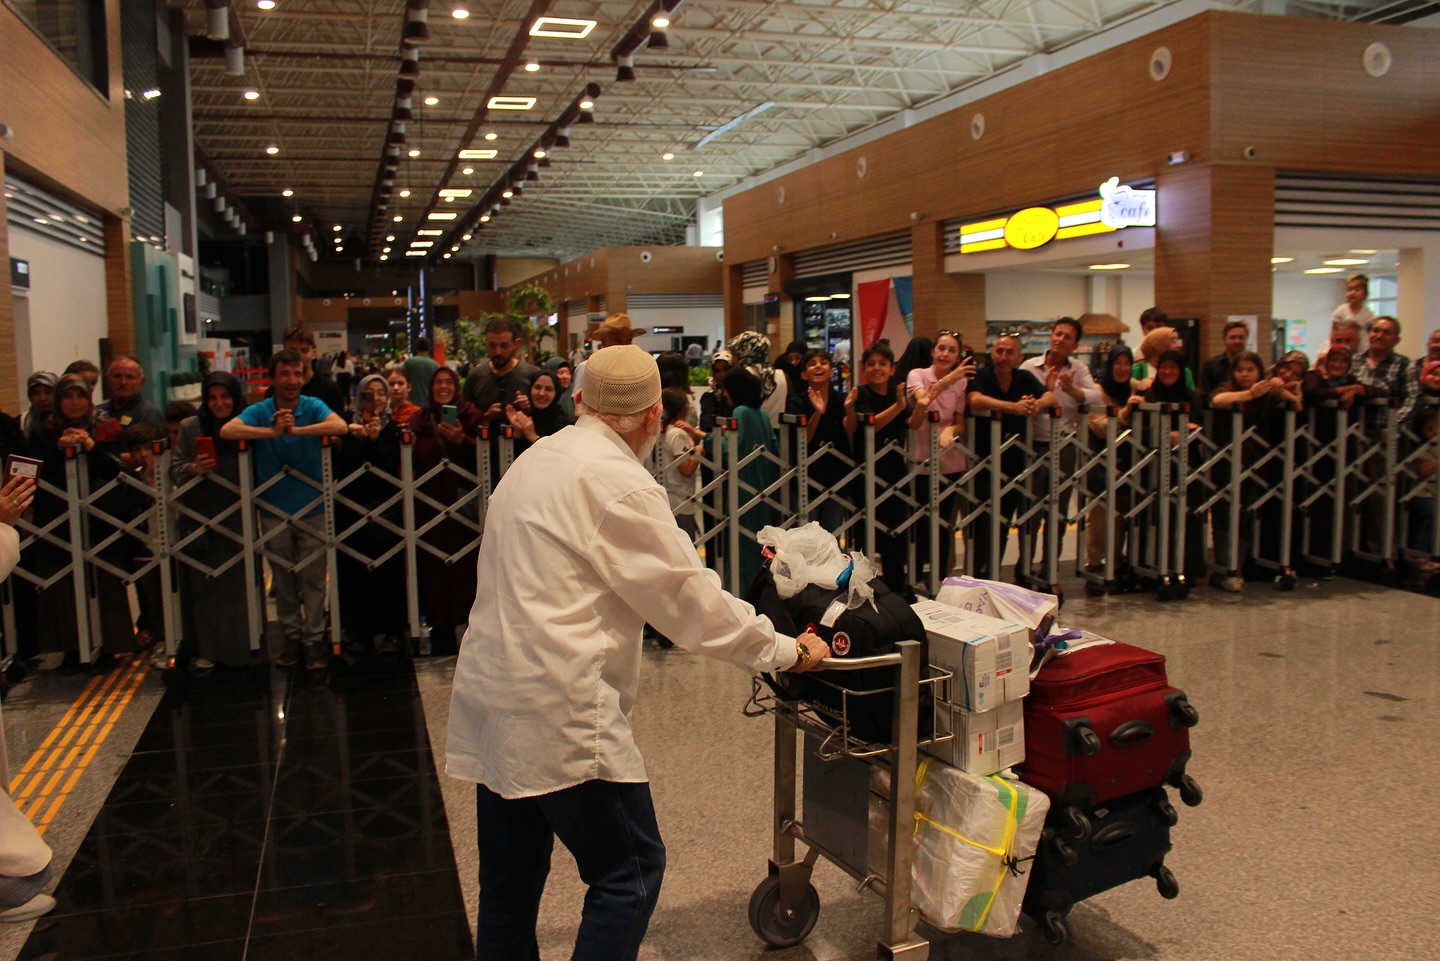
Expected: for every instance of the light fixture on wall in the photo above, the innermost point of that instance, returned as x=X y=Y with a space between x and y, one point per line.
x=659 y=34
x=625 y=68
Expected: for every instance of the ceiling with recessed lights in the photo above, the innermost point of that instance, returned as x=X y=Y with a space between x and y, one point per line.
x=362 y=100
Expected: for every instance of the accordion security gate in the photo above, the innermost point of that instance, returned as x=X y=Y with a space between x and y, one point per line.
x=1152 y=479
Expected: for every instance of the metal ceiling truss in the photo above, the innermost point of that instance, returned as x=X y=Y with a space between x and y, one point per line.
x=337 y=80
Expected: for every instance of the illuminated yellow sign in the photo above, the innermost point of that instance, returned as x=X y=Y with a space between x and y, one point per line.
x=1116 y=207
x=1032 y=227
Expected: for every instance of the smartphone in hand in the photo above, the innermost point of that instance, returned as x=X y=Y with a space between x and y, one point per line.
x=449 y=413
x=205 y=447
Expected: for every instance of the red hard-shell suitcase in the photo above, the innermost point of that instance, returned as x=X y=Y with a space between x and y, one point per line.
x=1102 y=722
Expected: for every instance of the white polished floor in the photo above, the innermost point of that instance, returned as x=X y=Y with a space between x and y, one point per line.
x=1316 y=750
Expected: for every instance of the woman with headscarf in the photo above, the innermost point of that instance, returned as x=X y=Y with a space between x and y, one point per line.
x=792 y=365
x=1262 y=402
x=1155 y=343
x=753 y=432
x=215 y=624
x=40 y=389
x=751 y=350
x=564 y=377
x=1168 y=386
x=70 y=425
x=715 y=407
x=1119 y=397
x=1326 y=391
x=445 y=430
x=545 y=417
x=371 y=608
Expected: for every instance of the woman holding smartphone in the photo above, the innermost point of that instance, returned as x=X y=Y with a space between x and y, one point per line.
x=445 y=431
x=205 y=471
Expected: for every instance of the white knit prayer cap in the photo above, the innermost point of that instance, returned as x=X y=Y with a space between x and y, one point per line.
x=622 y=379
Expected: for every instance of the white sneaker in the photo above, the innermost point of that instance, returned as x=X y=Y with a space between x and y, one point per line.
x=203 y=664
x=1233 y=585
x=38 y=906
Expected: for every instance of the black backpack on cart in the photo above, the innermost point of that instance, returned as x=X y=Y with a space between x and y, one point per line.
x=866 y=631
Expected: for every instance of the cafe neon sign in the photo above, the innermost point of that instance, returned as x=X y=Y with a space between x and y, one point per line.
x=1117 y=207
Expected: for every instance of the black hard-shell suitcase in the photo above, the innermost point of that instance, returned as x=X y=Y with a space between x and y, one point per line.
x=1130 y=838
x=865 y=631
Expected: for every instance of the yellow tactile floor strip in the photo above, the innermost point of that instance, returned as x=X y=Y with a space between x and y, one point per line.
x=51 y=773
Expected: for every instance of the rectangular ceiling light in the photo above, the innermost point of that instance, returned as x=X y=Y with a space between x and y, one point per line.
x=415 y=253
x=441 y=215
x=422 y=243
x=430 y=233
x=561 y=27
x=511 y=103
x=456 y=192
x=478 y=154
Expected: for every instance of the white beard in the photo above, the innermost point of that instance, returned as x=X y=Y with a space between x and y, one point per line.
x=650 y=441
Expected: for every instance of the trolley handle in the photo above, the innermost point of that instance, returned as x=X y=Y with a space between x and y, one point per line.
x=856 y=663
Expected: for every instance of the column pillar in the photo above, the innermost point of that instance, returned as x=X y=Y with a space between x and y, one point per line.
x=781 y=270
x=1213 y=243
x=11 y=399
x=732 y=280
x=119 y=287
x=944 y=301
x=1417 y=300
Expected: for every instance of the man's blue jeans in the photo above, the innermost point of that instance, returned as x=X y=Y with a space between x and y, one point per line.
x=611 y=831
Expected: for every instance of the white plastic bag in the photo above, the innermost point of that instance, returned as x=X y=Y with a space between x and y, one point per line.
x=811 y=555
x=973 y=836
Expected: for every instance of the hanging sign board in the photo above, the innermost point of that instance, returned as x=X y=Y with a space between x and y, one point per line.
x=1117 y=207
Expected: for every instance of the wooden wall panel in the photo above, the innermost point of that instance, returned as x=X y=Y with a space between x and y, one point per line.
x=1293 y=88
x=1062 y=133
x=614 y=272
x=68 y=138
x=1297 y=91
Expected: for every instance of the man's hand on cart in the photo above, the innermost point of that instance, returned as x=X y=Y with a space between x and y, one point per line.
x=810 y=650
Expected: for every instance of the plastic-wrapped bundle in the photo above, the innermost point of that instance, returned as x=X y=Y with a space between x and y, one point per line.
x=1005 y=601
x=973 y=838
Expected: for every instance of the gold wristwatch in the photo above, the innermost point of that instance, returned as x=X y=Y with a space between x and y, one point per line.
x=802 y=655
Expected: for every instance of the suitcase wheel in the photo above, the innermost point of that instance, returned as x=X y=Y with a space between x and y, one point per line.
x=1074 y=824
x=1166 y=812
x=1166 y=884
x=1190 y=791
x=1061 y=850
x=782 y=925
x=1183 y=711
x=1053 y=924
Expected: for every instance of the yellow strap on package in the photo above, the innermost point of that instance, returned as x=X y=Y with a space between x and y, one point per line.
x=1005 y=852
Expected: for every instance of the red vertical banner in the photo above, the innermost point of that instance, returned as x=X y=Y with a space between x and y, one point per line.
x=874 y=301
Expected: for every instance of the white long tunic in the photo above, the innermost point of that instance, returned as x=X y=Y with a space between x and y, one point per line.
x=580 y=551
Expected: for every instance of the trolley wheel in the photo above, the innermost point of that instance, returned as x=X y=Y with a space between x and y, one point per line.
x=1074 y=824
x=1190 y=791
x=15 y=672
x=1285 y=582
x=1166 y=884
x=782 y=926
x=1053 y=924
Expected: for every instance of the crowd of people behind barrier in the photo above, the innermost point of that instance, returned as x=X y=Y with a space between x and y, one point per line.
x=935 y=389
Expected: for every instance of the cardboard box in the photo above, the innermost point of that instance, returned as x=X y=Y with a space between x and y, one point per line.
x=990 y=658
x=984 y=743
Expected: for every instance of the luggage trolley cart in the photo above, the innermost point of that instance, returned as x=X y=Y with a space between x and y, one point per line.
x=785 y=906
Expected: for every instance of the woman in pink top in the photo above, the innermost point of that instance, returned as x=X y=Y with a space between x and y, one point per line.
x=941 y=388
